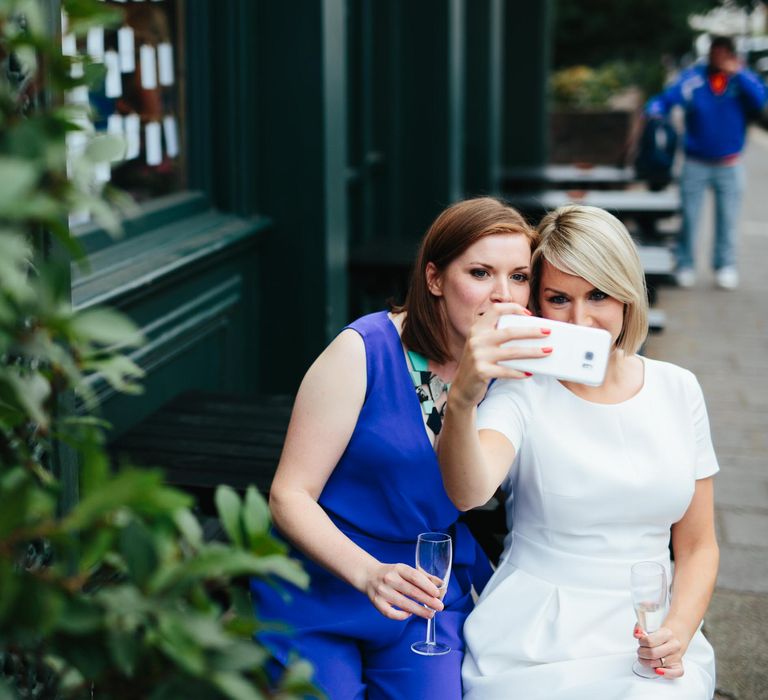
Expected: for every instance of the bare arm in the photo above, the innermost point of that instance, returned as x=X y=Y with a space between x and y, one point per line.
x=474 y=464
x=696 y=561
x=324 y=416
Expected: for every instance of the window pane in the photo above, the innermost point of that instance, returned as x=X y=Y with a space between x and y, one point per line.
x=139 y=99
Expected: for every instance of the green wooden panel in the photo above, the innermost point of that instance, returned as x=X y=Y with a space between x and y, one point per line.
x=194 y=342
x=192 y=288
x=423 y=164
x=526 y=61
x=478 y=105
x=301 y=182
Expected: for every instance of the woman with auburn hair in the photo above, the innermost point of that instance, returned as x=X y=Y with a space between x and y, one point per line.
x=596 y=477
x=358 y=478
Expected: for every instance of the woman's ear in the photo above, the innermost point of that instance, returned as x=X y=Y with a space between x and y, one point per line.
x=434 y=279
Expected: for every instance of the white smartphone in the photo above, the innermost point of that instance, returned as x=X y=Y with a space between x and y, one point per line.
x=580 y=354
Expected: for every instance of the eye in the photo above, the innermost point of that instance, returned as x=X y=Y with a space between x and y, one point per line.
x=597 y=295
x=557 y=299
x=479 y=272
x=520 y=276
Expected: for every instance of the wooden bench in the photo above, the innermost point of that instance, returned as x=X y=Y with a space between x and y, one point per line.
x=565 y=177
x=201 y=440
x=622 y=203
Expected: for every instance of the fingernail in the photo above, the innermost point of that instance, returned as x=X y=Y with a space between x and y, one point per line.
x=546 y=331
x=660 y=671
x=528 y=374
x=529 y=313
x=546 y=351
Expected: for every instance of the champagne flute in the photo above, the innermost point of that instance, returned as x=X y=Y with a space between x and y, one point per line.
x=648 y=583
x=434 y=554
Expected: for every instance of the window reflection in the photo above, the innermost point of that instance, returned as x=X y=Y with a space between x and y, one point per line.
x=139 y=97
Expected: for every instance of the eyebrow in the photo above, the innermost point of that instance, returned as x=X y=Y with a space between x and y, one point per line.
x=482 y=264
x=560 y=291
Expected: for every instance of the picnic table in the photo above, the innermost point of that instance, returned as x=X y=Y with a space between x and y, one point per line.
x=576 y=176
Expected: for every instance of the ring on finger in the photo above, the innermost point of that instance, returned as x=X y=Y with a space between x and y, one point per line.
x=662 y=661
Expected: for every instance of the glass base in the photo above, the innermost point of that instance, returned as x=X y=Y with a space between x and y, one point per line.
x=426 y=649
x=644 y=671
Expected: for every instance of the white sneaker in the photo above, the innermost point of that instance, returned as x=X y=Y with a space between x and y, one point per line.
x=685 y=277
x=727 y=277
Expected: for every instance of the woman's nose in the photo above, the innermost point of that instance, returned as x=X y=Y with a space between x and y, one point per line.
x=580 y=316
x=501 y=291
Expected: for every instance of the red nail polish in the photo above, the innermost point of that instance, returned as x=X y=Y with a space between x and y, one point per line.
x=546 y=351
x=660 y=671
x=546 y=331
x=528 y=374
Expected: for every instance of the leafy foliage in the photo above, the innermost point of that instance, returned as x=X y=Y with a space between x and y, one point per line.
x=638 y=33
x=119 y=596
x=582 y=87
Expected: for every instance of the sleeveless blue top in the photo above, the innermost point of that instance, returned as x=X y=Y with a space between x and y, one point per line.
x=384 y=491
x=387 y=484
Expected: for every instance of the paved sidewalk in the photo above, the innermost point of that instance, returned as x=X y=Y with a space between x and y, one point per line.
x=723 y=338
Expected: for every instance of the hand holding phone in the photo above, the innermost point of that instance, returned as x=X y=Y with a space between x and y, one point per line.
x=580 y=354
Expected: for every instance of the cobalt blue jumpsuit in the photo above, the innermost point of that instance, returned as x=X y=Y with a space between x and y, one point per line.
x=384 y=491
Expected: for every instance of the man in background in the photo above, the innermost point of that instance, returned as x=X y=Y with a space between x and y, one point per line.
x=718 y=99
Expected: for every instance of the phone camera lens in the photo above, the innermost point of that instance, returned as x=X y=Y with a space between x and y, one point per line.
x=589 y=355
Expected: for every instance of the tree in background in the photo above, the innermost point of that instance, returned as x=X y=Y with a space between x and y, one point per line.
x=635 y=33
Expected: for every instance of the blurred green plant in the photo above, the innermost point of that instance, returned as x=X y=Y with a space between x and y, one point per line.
x=118 y=596
x=582 y=87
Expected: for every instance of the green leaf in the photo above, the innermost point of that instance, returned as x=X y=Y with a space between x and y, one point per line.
x=106 y=327
x=17 y=500
x=234 y=686
x=105 y=147
x=141 y=489
x=229 y=506
x=125 y=648
x=80 y=616
x=189 y=526
x=138 y=550
x=15 y=257
x=221 y=561
x=297 y=680
x=18 y=177
x=242 y=656
x=256 y=516
x=119 y=371
x=177 y=644
x=94 y=547
x=31 y=393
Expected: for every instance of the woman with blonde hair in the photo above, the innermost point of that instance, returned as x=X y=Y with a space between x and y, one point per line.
x=596 y=477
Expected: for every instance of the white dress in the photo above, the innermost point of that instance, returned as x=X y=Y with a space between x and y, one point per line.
x=594 y=488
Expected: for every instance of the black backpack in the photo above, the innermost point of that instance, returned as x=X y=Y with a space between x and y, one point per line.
x=656 y=153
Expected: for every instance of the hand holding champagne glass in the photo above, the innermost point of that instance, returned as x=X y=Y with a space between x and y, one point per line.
x=648 y=583
x=434 y=554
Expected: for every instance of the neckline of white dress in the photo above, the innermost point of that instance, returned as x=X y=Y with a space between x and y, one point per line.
x=639 y=393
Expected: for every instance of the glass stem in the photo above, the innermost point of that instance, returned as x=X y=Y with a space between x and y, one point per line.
x=431 y=630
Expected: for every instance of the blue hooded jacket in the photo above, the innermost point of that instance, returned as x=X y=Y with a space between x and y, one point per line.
x=715 y=124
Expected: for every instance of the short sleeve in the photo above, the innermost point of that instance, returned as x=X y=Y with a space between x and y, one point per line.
x=706 y=460
x=506 y=409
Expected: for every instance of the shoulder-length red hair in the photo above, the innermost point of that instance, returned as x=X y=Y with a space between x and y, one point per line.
x=451 y=233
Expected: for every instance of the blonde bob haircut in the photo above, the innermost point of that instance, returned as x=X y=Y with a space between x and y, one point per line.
x=592 y=244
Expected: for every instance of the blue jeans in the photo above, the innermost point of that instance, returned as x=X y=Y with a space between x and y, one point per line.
x=727 y=183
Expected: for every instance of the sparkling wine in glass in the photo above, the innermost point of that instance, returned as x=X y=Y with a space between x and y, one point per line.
x=434 y=554
x=648 y=583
